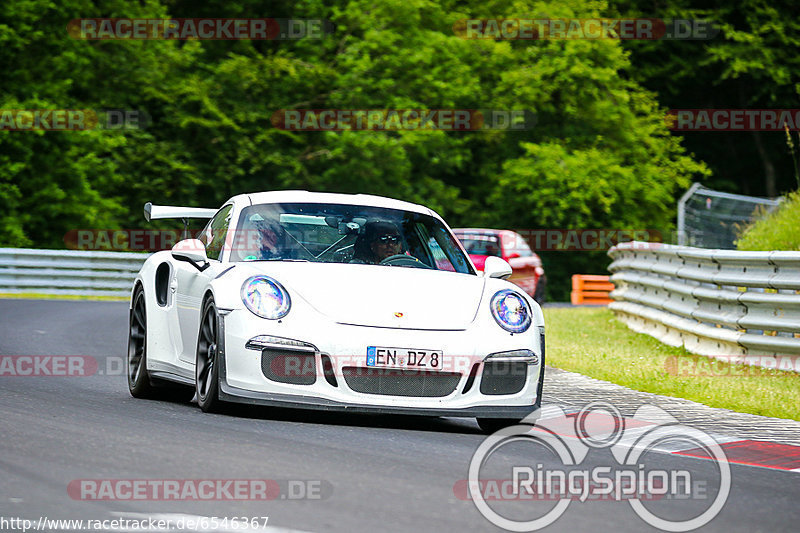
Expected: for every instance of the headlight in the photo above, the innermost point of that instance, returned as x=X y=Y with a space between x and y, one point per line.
x=266 y=297
x=511 y=311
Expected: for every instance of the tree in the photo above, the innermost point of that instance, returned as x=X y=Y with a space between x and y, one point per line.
x=751 y=64
x=600 y=155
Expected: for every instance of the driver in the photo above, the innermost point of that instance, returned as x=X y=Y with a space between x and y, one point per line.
x=379 y=241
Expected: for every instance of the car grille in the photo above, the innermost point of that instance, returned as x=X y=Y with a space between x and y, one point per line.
x=503 y=378
x=289 y=366
x=395 y=382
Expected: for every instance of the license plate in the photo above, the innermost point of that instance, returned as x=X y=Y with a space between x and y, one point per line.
x=379 y=356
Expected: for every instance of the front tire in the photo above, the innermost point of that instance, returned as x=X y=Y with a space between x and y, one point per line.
x=206 y=363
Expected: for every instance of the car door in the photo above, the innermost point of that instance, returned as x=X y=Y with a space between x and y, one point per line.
x=191 y=282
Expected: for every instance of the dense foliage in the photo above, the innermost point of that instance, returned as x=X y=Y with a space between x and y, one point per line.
x=600 y=155
x=752 y=64
x=779 y=230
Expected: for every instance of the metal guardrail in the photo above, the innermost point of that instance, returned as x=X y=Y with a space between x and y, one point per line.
x=56 y=272
x=713 y=302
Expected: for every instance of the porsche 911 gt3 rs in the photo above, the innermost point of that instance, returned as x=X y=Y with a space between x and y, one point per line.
x=337 y=302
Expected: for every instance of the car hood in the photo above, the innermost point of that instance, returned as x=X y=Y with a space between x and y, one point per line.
x=382 y=296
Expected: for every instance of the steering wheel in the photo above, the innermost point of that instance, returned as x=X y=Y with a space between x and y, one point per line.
x=404 y=261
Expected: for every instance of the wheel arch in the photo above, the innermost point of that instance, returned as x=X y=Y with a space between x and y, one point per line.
x=209 y=294
x=137 y=283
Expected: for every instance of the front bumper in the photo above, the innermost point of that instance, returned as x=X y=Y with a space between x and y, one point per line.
x=242 y=379
x=232 y=394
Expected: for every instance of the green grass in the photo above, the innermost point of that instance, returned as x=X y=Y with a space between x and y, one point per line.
x=777 y=230
x=37 y=296
x=592 y=342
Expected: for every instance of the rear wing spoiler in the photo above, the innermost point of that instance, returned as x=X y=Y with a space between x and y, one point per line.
x=153 y=212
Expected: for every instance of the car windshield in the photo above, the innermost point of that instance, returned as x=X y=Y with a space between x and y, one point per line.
x=341 y=233
x=480 y=244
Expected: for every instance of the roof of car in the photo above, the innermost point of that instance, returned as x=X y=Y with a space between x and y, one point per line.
x=334 y=198
x=481 y=231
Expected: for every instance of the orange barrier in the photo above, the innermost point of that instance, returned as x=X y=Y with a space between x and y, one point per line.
x=590 y=290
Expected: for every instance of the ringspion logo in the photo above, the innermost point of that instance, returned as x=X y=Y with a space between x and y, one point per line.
x=553 y=468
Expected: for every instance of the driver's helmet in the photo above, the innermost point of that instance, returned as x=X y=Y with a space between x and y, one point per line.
x=258 y=239
x=374 y=231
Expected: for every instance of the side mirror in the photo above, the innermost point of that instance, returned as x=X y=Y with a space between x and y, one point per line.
x=494 y=267
x=192 y=251
x=513 y=255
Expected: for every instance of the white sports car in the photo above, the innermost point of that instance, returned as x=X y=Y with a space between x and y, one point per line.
x=336 y=302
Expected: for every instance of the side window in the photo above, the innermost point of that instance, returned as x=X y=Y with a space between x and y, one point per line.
x=442 y=263
x=213 y=235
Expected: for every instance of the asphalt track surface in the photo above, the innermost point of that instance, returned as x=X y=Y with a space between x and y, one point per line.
x=375 y=473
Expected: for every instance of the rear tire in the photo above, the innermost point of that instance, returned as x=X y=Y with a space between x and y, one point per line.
x=138 y=377
x=140 y=383
x=206 y=368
